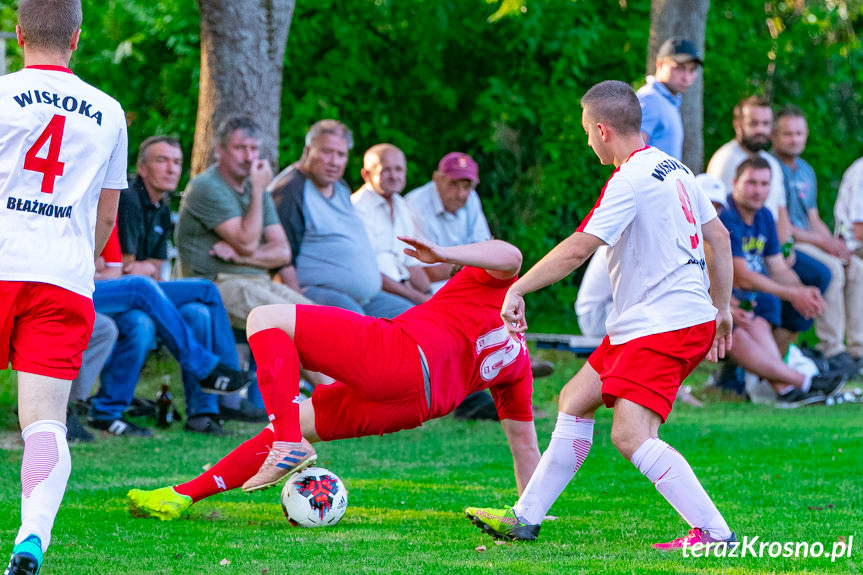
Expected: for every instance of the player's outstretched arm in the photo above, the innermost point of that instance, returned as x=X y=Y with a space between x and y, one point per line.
x=553 y=267
x=720 y=270
x=499 y=258
x=521 y=436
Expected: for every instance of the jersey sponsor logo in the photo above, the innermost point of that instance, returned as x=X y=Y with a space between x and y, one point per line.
x=665 y=167
x=506 y=352
x=68 y=103
x=38 y=208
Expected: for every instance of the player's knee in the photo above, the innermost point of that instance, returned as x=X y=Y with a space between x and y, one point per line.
x=625 y=439
x=269 y=316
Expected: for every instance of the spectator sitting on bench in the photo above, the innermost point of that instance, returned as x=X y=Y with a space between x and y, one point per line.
x=144 y=225
x=336 y=265
x=141 y=310
x=764 y=281
x=386 y=216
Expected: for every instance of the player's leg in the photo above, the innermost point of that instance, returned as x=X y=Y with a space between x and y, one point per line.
x=228 y=473
x=46 y=465
x=270 y=330
x=570 y=442
x=634 y=433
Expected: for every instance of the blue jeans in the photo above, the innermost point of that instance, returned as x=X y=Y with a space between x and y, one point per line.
x=190 y=320
x=383 y=304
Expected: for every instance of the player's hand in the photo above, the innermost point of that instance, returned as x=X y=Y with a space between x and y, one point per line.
x=807 y=301
x=260 y=174
x=722 y=339
x=512 y=312
x=838 y=248
x=424 y=250
x=224 y=251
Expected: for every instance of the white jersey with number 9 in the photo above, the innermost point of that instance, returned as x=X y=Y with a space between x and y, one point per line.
x=650 y=213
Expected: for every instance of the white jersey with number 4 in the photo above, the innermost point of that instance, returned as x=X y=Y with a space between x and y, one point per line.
x=61 y=142
x=650 y=213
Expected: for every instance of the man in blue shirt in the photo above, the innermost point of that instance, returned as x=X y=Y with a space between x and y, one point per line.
x=844 y=297
x=677 y=65
x=763 y=278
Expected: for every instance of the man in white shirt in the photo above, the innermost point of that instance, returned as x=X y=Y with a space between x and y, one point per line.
x=753 y=126
x=664 y=321
x=63 y=153
x=848 y=209
x=386 y=216
x=447 y=209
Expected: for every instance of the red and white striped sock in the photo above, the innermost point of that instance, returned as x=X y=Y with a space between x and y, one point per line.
x=674 y=479
x=569 y=445
x=45 y=470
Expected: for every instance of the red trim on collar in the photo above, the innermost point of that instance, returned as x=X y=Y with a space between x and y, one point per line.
x=49 y=67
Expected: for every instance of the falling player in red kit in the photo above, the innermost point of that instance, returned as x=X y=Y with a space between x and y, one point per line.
x=390 y=375
x=667 y=317
x=62 y=166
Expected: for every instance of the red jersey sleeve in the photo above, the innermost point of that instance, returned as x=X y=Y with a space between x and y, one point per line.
x=112 y=253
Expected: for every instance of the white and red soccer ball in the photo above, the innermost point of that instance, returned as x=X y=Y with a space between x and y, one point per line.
x=314 y=497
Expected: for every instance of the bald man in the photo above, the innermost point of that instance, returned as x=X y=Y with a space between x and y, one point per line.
x=386 y=216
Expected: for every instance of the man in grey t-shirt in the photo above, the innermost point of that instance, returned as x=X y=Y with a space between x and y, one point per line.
x=336 y=264
x=228 y=229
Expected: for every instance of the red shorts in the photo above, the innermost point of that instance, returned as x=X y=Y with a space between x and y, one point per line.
x=44 y=329
x=648 y=370
x=379 y=388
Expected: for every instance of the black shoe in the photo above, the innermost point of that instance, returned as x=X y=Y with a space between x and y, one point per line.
x=829 y=384
x=22 y=564
x=798 y=398
x=541 y=368
x=845 y=363
x=75 y=432
x=205 y=423
x=225 y=380
x=246 y=412
x=119 y=427
x=477 y=405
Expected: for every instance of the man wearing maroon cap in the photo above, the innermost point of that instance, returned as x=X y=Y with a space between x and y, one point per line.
x=447 y=210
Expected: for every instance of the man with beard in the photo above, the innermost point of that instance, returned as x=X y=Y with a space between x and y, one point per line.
x=753 y=126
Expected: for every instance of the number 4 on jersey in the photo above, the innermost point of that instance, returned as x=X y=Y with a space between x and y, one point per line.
x=50 y=166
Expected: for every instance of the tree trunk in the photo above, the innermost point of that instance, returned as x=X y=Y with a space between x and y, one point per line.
x=688 y=19
x=242 y=55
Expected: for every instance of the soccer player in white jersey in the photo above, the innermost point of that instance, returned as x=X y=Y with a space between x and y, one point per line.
x=665 y=320
x=62 y=166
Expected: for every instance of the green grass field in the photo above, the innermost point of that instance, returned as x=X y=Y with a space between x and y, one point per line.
x=781 y=475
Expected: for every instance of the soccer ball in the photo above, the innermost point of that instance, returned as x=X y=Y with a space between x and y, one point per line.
x=314 y=497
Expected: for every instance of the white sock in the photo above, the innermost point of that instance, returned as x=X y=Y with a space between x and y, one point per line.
x=44 y=472
x=807 y=382
x=569 y=445
x=673 y=478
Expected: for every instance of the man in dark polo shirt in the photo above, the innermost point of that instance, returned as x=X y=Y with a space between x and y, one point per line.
x=144 y=228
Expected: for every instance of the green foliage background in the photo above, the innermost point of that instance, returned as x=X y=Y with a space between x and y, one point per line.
x=433 y=76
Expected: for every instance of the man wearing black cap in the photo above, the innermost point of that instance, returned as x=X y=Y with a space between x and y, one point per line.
x=677 y=65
